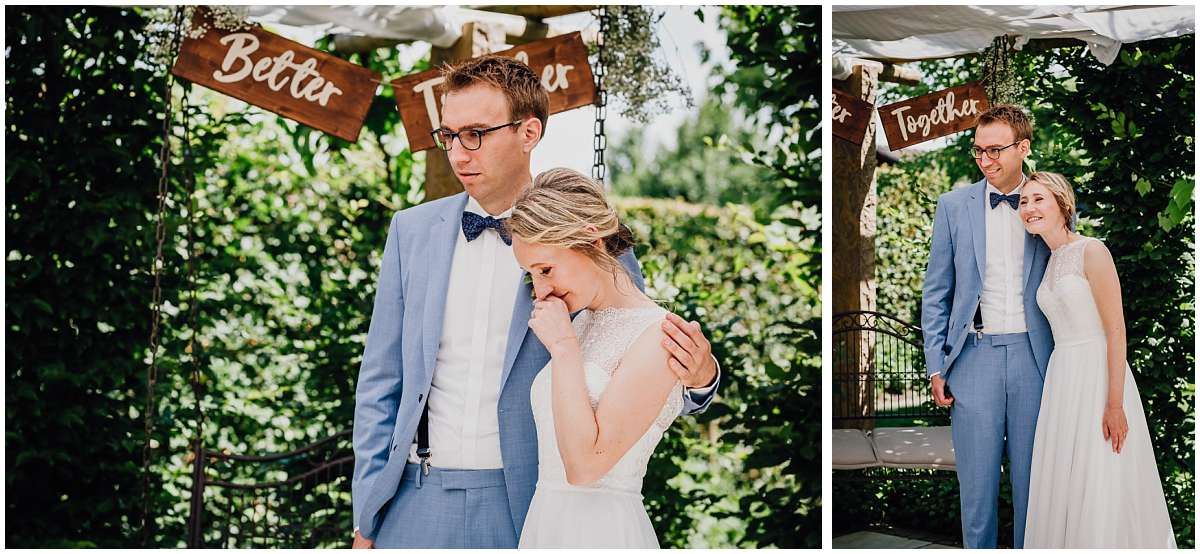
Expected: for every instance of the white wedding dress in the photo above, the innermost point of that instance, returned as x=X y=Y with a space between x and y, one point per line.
x=1081 y=493
x=608 y=513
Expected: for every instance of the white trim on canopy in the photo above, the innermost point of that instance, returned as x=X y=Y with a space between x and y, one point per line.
x=440 y=26
x=909 y=33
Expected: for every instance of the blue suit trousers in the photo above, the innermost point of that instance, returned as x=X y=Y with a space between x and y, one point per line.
x=997 y=390
x=449 y=508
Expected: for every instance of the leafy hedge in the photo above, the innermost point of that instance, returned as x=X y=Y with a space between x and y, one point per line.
x=80 y=178
x=737 y=468
x=774 y=401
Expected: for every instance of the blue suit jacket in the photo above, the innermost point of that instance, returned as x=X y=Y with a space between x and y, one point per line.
x=401 y=350
x=954 y=281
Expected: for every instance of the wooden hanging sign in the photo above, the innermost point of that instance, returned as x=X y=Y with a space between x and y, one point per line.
x=850 y=117
x=927 y=117
x=297 y=82
x=561 y=62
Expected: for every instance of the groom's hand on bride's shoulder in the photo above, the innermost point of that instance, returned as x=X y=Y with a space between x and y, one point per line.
x=361 y=541
x=691 y=353
x=941 y=396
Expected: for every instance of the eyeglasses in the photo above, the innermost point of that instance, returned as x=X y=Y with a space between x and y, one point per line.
x=471 y=139
x=992 y=152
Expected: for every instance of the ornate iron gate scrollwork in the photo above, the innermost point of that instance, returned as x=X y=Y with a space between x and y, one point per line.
x=297 y=499
x=879 y=371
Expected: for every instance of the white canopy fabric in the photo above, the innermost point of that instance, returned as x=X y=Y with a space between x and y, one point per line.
x=933 y=32
x=435 y=25
x=440 y=26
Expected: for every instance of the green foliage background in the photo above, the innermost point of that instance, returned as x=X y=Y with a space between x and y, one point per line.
x=1124 y=135
x=79 y=178
x=287 y=228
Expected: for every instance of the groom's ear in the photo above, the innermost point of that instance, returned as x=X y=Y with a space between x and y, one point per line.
x=531 y=134
x=1025 y=146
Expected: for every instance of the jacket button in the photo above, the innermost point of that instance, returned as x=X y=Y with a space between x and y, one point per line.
x=395 y=446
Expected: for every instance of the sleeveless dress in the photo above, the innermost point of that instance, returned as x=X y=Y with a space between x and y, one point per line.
x=1081 y=493
x=609 y=512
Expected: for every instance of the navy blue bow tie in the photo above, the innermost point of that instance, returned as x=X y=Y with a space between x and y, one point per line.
x=1013 y=200
x=473 y=224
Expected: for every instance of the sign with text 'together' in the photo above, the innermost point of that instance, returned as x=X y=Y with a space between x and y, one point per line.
x=561 y=63
x=932 y=115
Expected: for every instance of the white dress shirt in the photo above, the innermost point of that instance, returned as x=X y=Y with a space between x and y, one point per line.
x=464 y=429
x=1002 y=304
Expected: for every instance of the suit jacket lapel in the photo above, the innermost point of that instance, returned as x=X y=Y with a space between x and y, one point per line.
x=518 y=327
x=443 y=236
x=1031 y=246
x=979 y=225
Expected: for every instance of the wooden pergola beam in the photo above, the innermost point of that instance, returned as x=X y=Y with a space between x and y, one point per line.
x=853 y=283
x=904 y=75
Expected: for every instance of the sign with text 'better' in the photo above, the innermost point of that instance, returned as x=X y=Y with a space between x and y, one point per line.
x=850 y=117
x=933 y=115
x=561 y=62
x=283 y=76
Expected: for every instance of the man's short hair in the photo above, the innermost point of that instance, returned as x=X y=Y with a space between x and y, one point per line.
x=520 y=85
x=1010 y=115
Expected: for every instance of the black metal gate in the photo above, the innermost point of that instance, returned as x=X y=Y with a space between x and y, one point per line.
x=879 y=372
x=297 y=499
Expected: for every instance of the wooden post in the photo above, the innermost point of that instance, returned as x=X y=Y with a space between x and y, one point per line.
x=477 y=39
x=854 y=255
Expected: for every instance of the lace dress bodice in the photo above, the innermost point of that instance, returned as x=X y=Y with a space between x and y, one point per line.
x=1065 y=297
x=604 y=337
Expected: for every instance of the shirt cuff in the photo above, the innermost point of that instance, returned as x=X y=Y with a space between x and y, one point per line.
x=935 y=374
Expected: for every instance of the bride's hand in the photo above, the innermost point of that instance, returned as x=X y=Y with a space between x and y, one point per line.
x=551 y=323
x=1115 y=427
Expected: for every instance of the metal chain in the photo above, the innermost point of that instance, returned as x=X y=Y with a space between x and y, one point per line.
x=194 y=348
x=600 y=140
x=156 y=296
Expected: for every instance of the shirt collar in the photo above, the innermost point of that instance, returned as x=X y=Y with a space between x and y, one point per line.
x=474 y=207
x=992 y=188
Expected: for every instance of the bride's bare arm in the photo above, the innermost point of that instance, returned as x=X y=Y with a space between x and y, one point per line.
x=1101 y=273
x=592 y=441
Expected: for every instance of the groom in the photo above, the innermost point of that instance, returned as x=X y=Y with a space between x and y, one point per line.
x=445 y=448
x=986 y=342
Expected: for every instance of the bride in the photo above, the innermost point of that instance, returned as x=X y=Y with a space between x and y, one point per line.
x=1094 y=482
x=607 y=396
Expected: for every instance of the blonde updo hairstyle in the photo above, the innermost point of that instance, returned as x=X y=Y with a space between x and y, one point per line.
x=566 y=209
x=1060 y=189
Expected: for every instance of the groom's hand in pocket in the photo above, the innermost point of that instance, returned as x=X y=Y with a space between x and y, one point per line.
x=941 y=396
x=691 y=353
